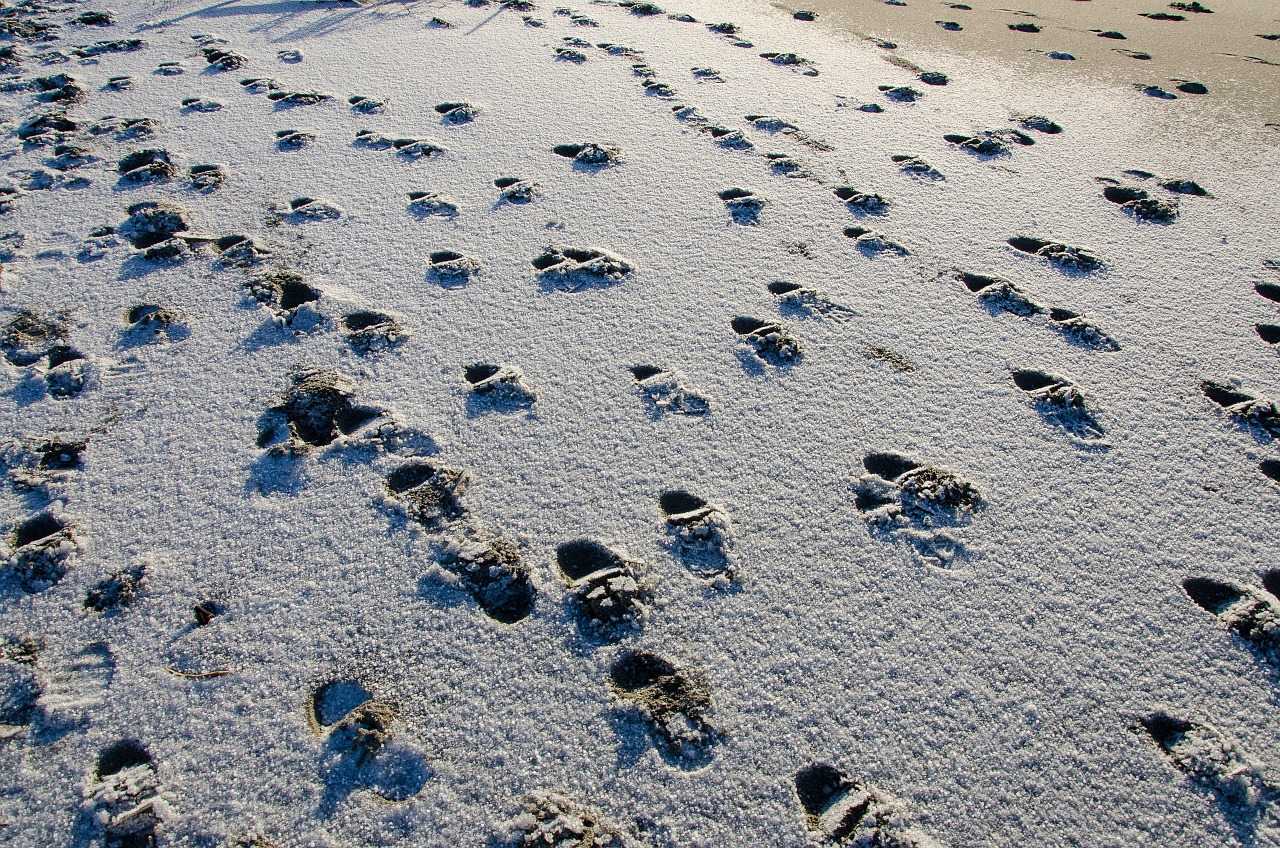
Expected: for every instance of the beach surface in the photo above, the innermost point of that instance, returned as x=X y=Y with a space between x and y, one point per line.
x=480 y=424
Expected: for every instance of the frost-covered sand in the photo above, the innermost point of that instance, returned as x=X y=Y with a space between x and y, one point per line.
x=578 y=428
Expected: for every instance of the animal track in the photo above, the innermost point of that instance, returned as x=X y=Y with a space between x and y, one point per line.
x=499 y=387
x=773 y=124
x=289 y=99
x=608 y=592
x=1059 y=401
x=427 y=493
x=700 y=535
x=239 y=251
x=1248 y=613
x=1064 y=256
x=900 y=496
x=674 y=703
x=1253 y=411
x=569 y=269
x=372 y=332
x=548 y=819
x=198 y=104
x=771 y=341
x=36 y=465
x=318 y=408
x=493 y=574
x=743 y=204
x=30 y=336
x=664 y=391
x=589 y=154
x=840 y=811
x=20 y=692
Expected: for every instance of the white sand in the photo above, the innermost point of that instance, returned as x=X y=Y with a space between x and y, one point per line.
x=997 y=694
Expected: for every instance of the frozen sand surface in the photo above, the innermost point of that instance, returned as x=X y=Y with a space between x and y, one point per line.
x=995 y=688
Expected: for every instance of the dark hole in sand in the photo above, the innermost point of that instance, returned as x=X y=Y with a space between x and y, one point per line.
x=418 y=195
x=410 y=476
x=977 y=282
x=122 y=755
x=1271 y=468
x=444 y=108
x=638 y=670
x=299 y=202
x=62 y=456
x=1027 y=245
x=547 y=260
x=644 y=372
x=60 y=354
x=1271 y=577
x=225 y=243
x=1166 y=730
x=1193 y=88
x=141 y=312
x=717 y=132
x=1031 y=380
x=506 y=182
x=1270 y=291
x=746 y=326
x=865 y=501
x=1211 y=595
x=1269 y=333
x=677 y=502
x=353 y=418
x=855 y=232
x=144 y=158
x=584 y=557
x=363 y=320
x=782 y=287
x=1119 y=36
x=735 y=194
x=479 y=372
x=1224 y=395
x=818 y=786
x=890 y=466
x=440 y=256
x=567 y=150
x=1123 y=194
x=35 y=529
x=294 y=293
x=1059 y=315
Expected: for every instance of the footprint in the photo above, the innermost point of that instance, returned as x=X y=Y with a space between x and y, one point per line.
x=450 y=268
x=289 y=57
x=1038 y=123
x=1059 y=402
x=1219 y=766
x=312 y=209
x=362 y=751
x=674 y=703
x=1270 y=469
x=199 y=104
x=861 y=201
x=608 y=593
x=69 y=372
x=744 y=205
x=223 y=60
x=792 y=61
x=409 y=148
x=239 y=251
x=774 y=124
x=30 y=336
x=48 y=129
x=871 y=243
x=1270 y=291
x=154 y=227
x=570 y=269
x=950 y=26
x=568 y=54
x=902 y=497
x=665 y=391
x=901 y=93
x=111 y=595
x=285 y=294
x=289 y=99
x=152 y=165
x=289 y=141
x=206 y=178
x=1154 y=91
x=840 y=811
x=424 y=204
x=45 y=547
x=1141 y=205
x=727 y=138
x=493 y=574
x=367 y=105
x=989 y=143
x=20 y=692
x=456 y=113
x=370 y=332
x=1252 y=411
x=1269 y=333
x=125 y=804
x=1249 y=613
x=700 y=535
x=549 y=819
x=1024 y=27
x=169 y=69
x=1080 y=330
x=35 y=466
x=805 y=302
x=427 y=493
x=1064 y=256
x=317 y=410
x=517 y=191
x=152 y=324
x=770 y=341
x=259 y=85
x=590 y=154
x=496 y=387
x=916 y=167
